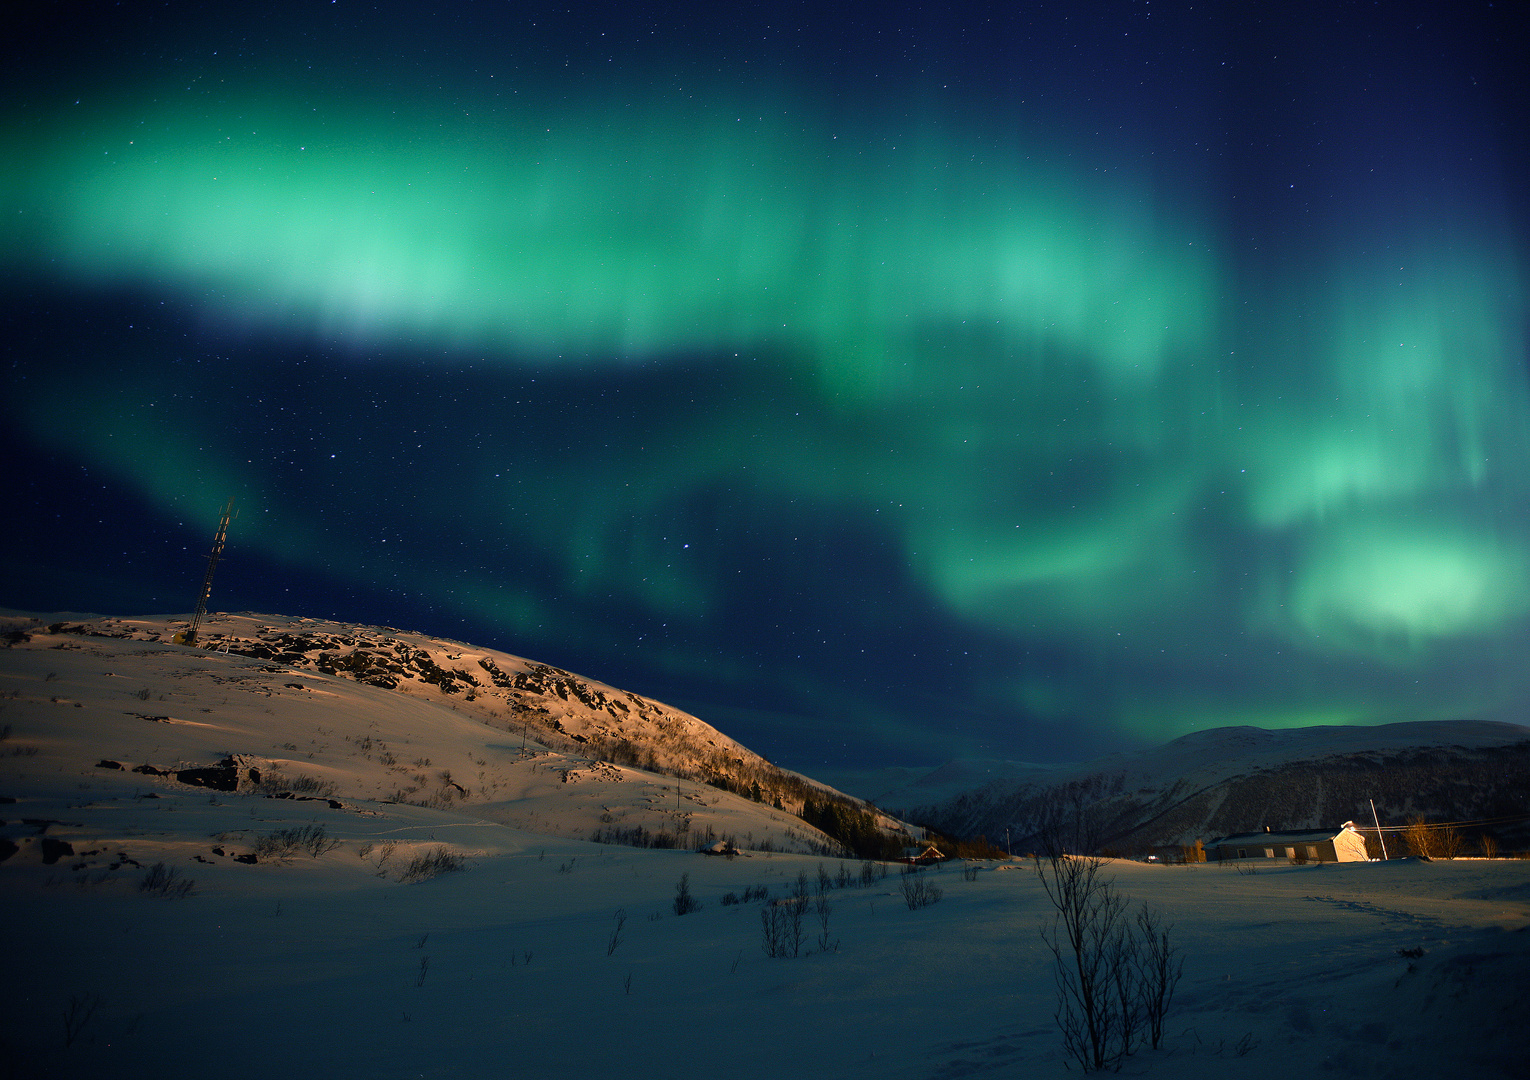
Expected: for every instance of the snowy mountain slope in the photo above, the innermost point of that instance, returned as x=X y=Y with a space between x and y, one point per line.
x=373 y=715
x=1241 y=779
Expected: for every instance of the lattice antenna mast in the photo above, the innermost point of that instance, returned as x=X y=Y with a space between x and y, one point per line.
x=190 y=636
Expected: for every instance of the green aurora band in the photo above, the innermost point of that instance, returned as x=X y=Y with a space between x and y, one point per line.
x=1046 y=386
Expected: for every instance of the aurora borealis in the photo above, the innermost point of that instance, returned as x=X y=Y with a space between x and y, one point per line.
x=1014 y=381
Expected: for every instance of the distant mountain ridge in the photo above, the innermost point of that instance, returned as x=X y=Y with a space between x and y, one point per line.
x=1242 y=779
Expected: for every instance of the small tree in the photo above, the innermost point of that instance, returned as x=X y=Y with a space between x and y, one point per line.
x=823 y=909
x=1088 y=939
x=1448 y=842
x=1116 y=974
x=1420 y=839
x=685 y=903
x=1159 y=967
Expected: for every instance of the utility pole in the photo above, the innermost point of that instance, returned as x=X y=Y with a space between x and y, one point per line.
x=189 y=635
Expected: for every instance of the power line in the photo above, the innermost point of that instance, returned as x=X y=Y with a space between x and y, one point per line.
x=1447 y=824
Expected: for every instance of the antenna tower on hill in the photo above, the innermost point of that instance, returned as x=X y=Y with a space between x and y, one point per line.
x=189 y=635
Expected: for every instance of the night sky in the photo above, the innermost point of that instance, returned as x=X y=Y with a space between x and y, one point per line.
x=881 y=385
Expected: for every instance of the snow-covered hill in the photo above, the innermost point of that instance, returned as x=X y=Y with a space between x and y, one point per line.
x=367 y=715
x=1241 y=779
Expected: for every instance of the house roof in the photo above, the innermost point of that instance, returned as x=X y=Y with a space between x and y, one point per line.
x=1296 y=836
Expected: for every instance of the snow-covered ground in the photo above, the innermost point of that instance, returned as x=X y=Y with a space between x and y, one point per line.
x=547 y=955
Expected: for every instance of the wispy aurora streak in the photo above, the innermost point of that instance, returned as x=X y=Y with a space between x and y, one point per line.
x=1041 y=387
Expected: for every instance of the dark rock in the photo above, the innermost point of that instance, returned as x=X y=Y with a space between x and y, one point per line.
x=250 y=858
x=53 y=850
x=7 y=848
x=150 y=770
x=107 y=763
x=220 y=777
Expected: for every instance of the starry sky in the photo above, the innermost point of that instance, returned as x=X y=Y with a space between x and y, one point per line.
x=882 y=384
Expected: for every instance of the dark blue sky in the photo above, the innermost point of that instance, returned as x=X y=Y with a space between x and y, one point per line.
x=1020 y=380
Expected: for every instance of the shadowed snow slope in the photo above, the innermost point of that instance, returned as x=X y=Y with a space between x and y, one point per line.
x=476 y=931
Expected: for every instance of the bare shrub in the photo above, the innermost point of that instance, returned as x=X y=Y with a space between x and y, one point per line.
x=162 y=880
x=1159 y=968
x=275 y=783
x=918 y=893
x=1488 y=845
x=77 y=1014
x=283 y=844
x=1115 y=975
x=429 y=864
x=823 y=909
x=781 y=927
x=616 y=934
x=310 y=785
x=1086 y=939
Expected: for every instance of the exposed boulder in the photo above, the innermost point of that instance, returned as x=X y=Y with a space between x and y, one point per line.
x=53 y=850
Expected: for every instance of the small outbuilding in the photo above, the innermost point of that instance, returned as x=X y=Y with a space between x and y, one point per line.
x=922 y=856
